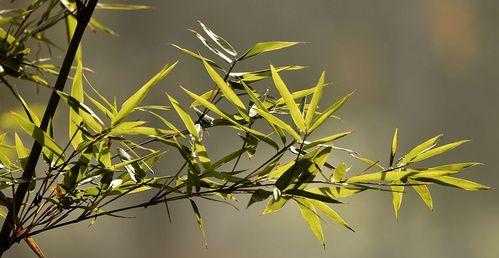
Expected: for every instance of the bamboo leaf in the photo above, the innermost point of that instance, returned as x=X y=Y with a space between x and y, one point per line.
x=339 y=173
x=425 y=146
x=310 y=216
x=132 y=102
x=456 y=166
x=224 y=87
x=39 y=135
x=437 y=151
x=196 y=56
x=326 y=139
x=212 y=48
x=219 y=40
x=314 y=101
x=394 y=146
x=328 y=112
x=255 y=76
x=199 y=220
x=330 y=213
x=455 y=182
x=274 y=205
x=279 y=123
x=397 y=196
x=122 y=7
x=263 y=47
x=185 y=117
x=288 y=99
x=423 y=192
x=217 y=111
x=81 y=112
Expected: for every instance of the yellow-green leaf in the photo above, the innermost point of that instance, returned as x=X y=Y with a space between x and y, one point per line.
x=131 y=103
x=397 y=196
x=437 y=151
x=314 y=101
x=458 y=182
x=394 y=146
x=288 y=99
x=39 y=135
x=196 y=56
x=339 y=172
x=224 y=87
x=328 y=112
x=263 y=47
x=425 y=146
x=310 y=216
x=423 y=192
x=186 y=118
x=330 y=213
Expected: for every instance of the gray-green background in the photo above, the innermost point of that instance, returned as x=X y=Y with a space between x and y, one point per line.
x=428 y=67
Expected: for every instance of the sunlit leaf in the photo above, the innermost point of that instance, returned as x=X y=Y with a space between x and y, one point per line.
x=437 y=151
x=330 y=213
x=328 y=112
x=425 y=146
x=288 y=99
x=219 y=40
x=263 y=47
x=310 y=215
x=132 y=102
x=39 y=135
x=314 y=101
x=198 y=57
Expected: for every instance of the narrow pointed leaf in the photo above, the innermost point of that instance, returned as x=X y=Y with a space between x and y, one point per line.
x=330 y=213
x=438 y=150
x=263 y=47
x=328 y=112
x=288 y=99
x=131 y=103
x=219 y=40
x=314 y=101
x=310 y=216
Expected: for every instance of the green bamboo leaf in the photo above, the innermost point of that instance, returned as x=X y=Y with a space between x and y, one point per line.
x=397 y=196
x=75 y=119
x=22 y=153
x=368 y=161
x=276 y=173
x=326 y=139
x=39 y=135
x=29 y=112
x=381 y=176
x=81 y=112
x=224 y=87
x=330 y=213
x=97 y=25
x=339 y=173
x=122 y=7
x=199 y=220
x=298 y=95
x=279 y=124
x=274 y=205
x=255 y=76
x=196 y=56
x=260 y=106
x=394 y=146
x=328 y=112
x=186 y=118
x=217 y=111
x=132 y=102
x=437 y=151
x=455 y=182
x=310 y=215
x=425 y=146
x=336 y=192
x=423 y=192
x=211 y=48
x=221 y=42
x=456 y=166
x=288 y=99
x=314 y=101
x=263 y=47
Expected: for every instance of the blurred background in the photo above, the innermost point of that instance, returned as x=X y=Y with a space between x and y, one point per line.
x=427 y=67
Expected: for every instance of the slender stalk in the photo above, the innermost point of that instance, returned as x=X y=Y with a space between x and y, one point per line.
x=84 y=15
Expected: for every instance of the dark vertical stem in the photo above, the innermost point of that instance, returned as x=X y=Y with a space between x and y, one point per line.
x=83 y=16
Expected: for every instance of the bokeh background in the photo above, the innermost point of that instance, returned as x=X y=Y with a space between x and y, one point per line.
x=427 y=67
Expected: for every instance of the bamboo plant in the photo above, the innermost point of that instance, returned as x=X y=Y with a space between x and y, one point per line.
x=108 y=156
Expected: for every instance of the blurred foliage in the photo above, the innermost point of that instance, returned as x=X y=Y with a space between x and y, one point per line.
x=108 y=156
